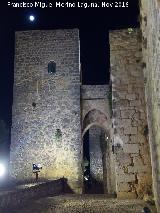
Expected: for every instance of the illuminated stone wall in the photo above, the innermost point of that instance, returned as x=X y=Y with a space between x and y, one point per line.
x=46 y=125
x=150 y=25
x=96 y=97
x=131 y=147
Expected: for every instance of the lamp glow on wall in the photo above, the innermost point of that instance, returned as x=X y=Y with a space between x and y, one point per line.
x=2 y=170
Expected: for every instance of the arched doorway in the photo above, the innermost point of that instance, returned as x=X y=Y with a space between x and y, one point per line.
x=98 y=168
x=95 y=149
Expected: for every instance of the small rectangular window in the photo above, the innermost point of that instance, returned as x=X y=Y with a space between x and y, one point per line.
x=51 y=67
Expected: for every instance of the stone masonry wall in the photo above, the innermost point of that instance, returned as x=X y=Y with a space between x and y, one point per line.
x=150 y=25
x=96 y=164
x=131 y=148
x=95 y=97
x=46 y=126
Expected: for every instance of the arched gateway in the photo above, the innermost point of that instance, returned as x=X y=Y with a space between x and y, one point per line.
x=96 y=139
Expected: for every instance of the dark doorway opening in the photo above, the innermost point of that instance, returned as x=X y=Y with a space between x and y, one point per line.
x=86 y=163
x=94 y=161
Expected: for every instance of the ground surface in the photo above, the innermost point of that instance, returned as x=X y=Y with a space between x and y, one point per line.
x=81 y=204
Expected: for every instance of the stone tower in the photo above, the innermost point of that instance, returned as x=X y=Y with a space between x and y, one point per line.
x=46 y=127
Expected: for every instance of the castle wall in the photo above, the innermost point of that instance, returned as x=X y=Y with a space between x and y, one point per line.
x=131 y=148
x=150 y=25
x=46 y=126
x=96 y=97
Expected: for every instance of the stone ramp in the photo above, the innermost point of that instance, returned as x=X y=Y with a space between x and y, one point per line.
x=81 y=204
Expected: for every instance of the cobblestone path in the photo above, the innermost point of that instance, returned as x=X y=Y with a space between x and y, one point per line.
x=81 y=204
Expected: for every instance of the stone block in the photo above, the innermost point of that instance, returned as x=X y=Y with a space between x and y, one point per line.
x=131 y=169
x=146 y=159
x=123 y=103
x=122 y=122
x=126 y=178
x=133 y=139
x=120 y=87
x=125 y=138
x=123 y=187
x=143 y=169
x=126 y=195
x=127 y=113
x=138 y=161
x=141 y=130
x=135 y=103
x=122 y=95
x=131 y=97
x=130 y=130
x=124 y=159
x=131 y=148
x=144 y=184
x=139 y=169
x=134 y=155
x=119 y=170
x=142 y=115
x=135 y=123
x=119 y=132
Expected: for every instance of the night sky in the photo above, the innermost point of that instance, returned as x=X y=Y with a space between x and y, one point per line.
x=93 y=24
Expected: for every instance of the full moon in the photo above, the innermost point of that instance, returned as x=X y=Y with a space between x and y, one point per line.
x=31 y=18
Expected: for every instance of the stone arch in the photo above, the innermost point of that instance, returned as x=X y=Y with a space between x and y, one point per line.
x=97 y=118
x=94 y=124
x=96 y=104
